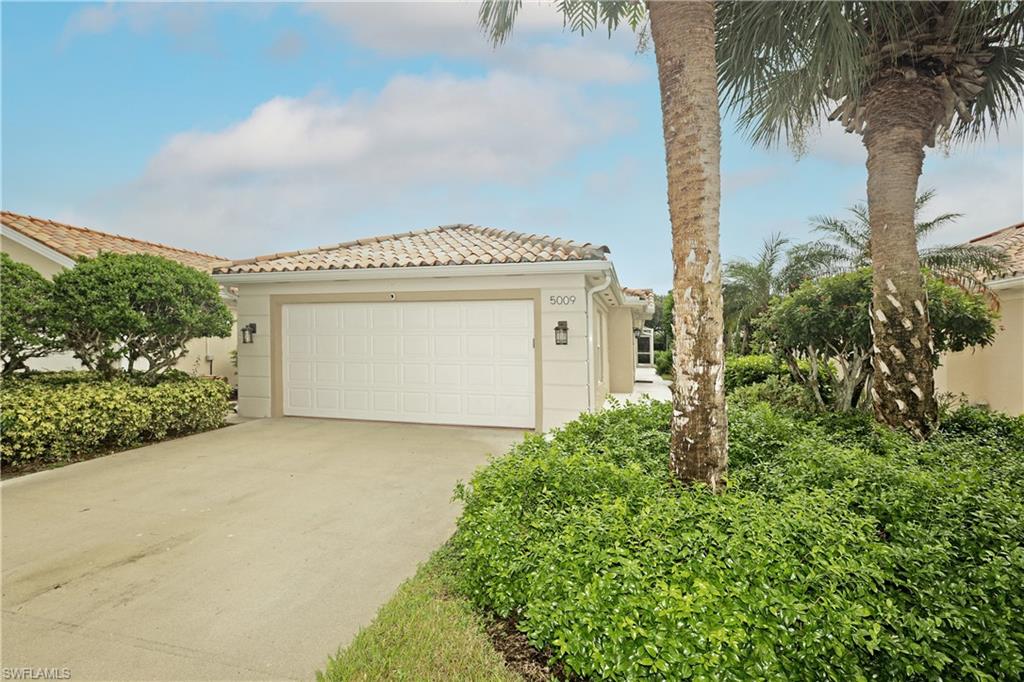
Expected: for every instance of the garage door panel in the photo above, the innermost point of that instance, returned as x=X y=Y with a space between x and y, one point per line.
x=356 y=401
x=481 y=405
x=416 y=403
x=447 y=375
x=385 y=401
x=447 y=317
x=418 y=374
x=480 y=346
x=416 y=317
x=458 y=362
x=384 y=347
x=327 y=399
x=327 y=373
x=448 y=346
x=383 y=317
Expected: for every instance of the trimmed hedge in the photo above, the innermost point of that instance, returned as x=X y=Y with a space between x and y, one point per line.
x=841 y=550
x=58 y=416
x=744 y=370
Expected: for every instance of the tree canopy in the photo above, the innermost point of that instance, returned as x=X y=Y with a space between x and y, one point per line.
x=826 y=320
x=116 y=308
x=26 y=308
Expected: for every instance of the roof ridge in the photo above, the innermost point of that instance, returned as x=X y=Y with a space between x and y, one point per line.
x=25 y=216
x=538 y=238
x=1015 y=226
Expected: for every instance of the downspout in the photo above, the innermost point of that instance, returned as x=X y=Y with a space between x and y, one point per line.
x=591 y=316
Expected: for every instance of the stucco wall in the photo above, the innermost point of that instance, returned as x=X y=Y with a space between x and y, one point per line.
x=562 y=390
x=621 y=351
x=43 y=265
x=993 y=375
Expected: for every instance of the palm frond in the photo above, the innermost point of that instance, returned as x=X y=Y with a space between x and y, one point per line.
x=964 y=259
x=497 y=18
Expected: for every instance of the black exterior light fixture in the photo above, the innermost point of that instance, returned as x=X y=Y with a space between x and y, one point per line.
x=248 y=331
x=562 y=333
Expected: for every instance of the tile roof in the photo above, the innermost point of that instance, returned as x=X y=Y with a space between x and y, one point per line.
x=75 y=241
x=445 y=245
x=647 y=295
x=1011 y=240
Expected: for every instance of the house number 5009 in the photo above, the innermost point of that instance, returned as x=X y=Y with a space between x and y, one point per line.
x=561 y=300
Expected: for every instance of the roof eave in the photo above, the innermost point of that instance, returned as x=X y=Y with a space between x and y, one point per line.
x=466 y=270
x=44 y=250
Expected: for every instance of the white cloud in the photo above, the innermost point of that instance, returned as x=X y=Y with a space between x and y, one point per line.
x=411 y=28
x=318 y=163
x=186 y=23
x=451 y=29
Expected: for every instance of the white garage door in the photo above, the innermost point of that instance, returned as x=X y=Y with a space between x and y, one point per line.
x=458 y=362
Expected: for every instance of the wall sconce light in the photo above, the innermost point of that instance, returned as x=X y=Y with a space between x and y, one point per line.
x=248 y=331
x=562 y=333
x=636 y=332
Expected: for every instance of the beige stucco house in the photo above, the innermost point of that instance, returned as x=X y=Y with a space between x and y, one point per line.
x=994 y=375
x=50 y=246
x=452 y=325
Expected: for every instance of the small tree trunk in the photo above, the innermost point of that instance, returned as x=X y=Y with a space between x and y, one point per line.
x=684 y=44
x=900 y=120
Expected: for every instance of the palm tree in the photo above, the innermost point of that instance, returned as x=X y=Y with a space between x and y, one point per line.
x=748 y=287
x=684 y=46
x=899 y=74
x=847 y=247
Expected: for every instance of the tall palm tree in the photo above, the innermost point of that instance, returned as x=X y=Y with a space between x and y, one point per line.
x=846 y=246
x=899 y=74
x=684 y=45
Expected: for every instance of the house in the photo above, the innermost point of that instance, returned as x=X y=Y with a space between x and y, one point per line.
x=49 y=247
x=644 y=335
x=994 y=375
x=457 y=324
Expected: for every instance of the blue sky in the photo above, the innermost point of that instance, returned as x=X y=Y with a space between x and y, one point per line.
x=243 y=129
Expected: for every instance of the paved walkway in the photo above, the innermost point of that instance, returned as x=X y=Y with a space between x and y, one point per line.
x=247 y=553
x=647 y=383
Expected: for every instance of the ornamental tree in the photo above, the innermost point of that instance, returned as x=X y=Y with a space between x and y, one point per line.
x=26 y=308
x=124 y=308
x=825 y=323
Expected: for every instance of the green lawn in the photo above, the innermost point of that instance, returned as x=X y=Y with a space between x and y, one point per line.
x=425 y=632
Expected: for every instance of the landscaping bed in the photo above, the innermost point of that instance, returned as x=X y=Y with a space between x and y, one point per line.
x=49 y=419
x=841 y=550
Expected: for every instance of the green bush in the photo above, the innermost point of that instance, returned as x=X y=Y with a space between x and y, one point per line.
x=663 y=362
x=68 y=414
x=840 y=550
x=744 y=370
x=26 y=309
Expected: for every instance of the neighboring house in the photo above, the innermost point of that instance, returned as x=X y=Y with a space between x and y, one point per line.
x=994 y=375
x=644 y=343
x=50 y=247
x=452 y=325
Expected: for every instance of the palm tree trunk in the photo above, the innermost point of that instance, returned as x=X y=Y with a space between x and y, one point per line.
x=684 y=44
x=901 y=119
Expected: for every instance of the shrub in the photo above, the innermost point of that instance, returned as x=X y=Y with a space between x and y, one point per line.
x=663 y=362
x=26 y=311
x=55 y=419
x=839 y=551
x=744 y=370
x=778 y=391
x=134 y=307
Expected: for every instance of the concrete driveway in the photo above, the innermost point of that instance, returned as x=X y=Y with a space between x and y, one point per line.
x=251 y=552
